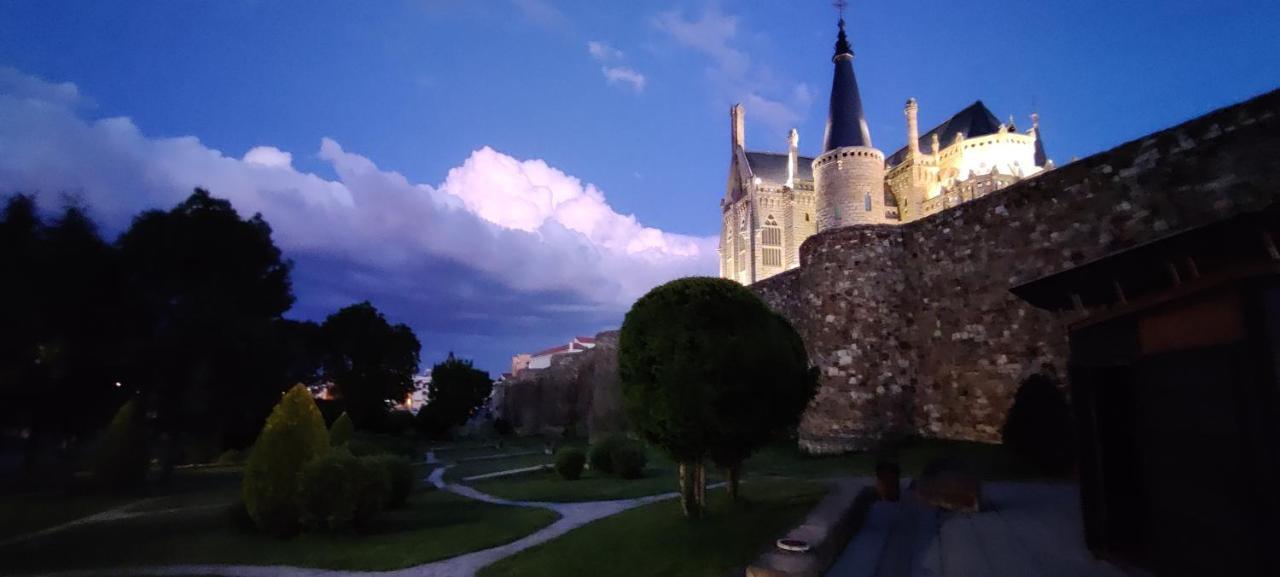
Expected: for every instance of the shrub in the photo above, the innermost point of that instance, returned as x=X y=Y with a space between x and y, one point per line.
x=372 y=490
x=1039 y=427
x=502 y=427
x=601 y=453
x=400 y=472
x=629 y=459
x=293 y=435
x=341 y=430
x=327 y=490
x=569 y=462
x=367 y=444
x=121 y=461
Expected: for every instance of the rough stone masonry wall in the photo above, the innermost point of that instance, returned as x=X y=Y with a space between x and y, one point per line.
x=914 y=327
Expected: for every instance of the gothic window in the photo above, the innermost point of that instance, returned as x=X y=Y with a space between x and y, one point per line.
x=771 y=256
x=866 y=201
x=771 y=234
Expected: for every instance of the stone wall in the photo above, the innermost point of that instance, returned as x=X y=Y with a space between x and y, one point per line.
x=913 y=326
x=579 y=392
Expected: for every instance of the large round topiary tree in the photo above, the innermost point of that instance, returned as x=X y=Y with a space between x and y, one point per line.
x=708 y=371
x=293 y=436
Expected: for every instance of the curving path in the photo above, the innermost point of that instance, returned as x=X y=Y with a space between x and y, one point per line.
x=572 y=516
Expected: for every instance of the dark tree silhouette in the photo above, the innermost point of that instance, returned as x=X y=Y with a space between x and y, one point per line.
x=371 y=361
x=458 y=391
x=210 y=288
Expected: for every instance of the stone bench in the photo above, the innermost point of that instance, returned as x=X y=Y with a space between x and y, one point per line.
x=826 y=529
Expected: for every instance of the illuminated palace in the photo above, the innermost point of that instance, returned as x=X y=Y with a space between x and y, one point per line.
x=775 y=200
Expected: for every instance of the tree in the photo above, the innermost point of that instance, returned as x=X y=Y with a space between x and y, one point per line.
x=708 y=371
x=341 y=430
x=210 y=289
x=293 y=435
x=371 y=361
x=121 y=461
x=458 y=391
x=1039 y=429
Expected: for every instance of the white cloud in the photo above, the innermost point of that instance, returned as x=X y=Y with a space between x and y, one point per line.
x=268 y=156
x=603 y=52
x=624 y=75
x=615 y=74
x=734 y=76
x=521 y=223
x=15 y=83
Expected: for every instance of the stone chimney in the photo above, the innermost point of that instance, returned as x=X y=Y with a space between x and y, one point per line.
x=913 y=128
x=793 y=143
x=737 y=123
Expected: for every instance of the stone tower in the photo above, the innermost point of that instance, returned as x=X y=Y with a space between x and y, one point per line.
x=849 y=174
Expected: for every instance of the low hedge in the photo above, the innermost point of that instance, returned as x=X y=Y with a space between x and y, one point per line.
x=569 y=463
x=629 y=460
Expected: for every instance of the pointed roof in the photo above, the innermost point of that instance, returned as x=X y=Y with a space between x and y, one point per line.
x=1041 y=158
x=975 y=120
x=771 y=167
x=846 y=124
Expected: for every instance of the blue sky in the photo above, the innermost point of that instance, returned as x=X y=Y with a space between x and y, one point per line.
x=412 y=128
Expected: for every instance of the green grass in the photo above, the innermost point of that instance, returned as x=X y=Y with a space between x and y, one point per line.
x=659 y=477
x=658 y=540
x=463 y=470
x=24 y=514
x=435 y=525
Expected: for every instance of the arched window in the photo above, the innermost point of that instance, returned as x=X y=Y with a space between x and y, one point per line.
x=771 y=234
x=866 y=201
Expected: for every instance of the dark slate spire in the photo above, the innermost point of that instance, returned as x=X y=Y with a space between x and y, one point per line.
x=1041 y=158
x=846 y=124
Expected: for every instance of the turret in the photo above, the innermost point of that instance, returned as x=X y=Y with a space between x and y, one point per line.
x=738 y=128
x=793 y=145
x=849 y=174
x=913 y=128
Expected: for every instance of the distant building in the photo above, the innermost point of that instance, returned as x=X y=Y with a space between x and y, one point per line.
x=415 y=400
x=542 y=359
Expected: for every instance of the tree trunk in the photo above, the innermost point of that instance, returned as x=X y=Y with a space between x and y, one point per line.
x=701 y=486
x=688 y=496
x=731 y=480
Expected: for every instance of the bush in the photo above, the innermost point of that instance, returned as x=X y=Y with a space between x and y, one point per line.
x=400 y=472
x=601 y=454
x=341 y=430
x=293 y=436
x=327 y=490
x=503 y=427
x=629 y=460
x=368 y=444
x=569 y=462
x=121 y=461
x=1039 y=428
x=372 y=490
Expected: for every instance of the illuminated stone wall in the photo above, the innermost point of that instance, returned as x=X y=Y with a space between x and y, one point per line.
x=913 y=326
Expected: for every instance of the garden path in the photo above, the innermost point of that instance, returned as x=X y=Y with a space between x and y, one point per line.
x=572 y=516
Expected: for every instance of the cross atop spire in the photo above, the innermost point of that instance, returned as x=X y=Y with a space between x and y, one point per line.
x=842 y=41
x=840 y=4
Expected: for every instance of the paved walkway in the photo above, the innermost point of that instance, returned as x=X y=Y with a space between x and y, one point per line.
x=1025 y=529
x=572 y=516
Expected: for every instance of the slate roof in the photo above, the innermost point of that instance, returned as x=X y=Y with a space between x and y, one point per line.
x=771 y=167
x=846 y=123
x=974 y=120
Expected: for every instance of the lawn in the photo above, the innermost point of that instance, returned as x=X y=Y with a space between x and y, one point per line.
x=435 y=525
x=22 y=514
x=659 y=477
x=469 y=468
x=657 y=540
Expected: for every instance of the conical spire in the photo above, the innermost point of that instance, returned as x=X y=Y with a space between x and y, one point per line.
x=1041 y=159
x=846 y=124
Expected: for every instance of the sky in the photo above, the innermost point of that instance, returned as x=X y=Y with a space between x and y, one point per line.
x=504 y=174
